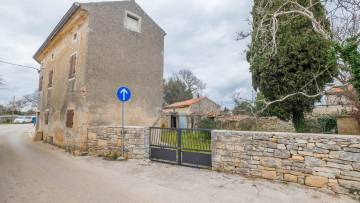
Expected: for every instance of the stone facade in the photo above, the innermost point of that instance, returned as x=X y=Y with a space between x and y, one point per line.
x=106 y=140
x=90 y=53
x=330 y=162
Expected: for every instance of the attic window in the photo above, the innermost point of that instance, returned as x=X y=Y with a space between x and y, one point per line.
x=132 y=22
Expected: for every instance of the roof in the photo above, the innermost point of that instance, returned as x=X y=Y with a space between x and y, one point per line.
x=185 y=103
x=339 y=90
x=74 y=8
x=58 y=27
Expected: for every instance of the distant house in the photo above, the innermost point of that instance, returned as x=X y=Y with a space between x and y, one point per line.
x=187 y=114
x=335 y=103
x=93 y=50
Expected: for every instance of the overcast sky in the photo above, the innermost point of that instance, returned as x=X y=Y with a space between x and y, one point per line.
x=200 y=37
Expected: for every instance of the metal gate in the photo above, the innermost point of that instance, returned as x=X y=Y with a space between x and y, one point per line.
x=188 y=147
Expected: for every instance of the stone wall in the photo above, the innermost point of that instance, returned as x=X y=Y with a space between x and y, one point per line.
x=348 y=125
x=106 y=141
x=330 y=162
x=274 y=124
x=248 y=123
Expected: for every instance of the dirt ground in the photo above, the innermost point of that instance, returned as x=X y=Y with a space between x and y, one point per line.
x=37 y=172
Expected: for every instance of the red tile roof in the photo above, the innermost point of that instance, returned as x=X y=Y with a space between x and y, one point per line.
x=183 y=104
x=338 y=90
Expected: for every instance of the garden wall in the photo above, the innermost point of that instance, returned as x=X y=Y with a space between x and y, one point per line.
x=106 y=141
x=316 y=160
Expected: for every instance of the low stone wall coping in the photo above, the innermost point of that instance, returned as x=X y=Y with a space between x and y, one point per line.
x=249 y=133
x=116 y=126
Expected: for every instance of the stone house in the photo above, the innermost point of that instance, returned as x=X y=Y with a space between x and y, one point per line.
x=93 y=50
x=187 y=114
x=334 y=103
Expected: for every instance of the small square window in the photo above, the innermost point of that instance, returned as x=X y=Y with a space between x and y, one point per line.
x=132 y=22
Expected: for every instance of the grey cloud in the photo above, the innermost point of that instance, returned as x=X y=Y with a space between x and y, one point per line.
x=200 y=37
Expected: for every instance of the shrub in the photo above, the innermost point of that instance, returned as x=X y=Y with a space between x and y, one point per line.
x=328 y=124
x=207 y=123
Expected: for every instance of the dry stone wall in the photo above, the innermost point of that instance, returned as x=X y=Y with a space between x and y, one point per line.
x=323 y=161
x=106 y=141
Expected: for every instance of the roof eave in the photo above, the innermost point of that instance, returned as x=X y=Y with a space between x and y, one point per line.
x=57 y=28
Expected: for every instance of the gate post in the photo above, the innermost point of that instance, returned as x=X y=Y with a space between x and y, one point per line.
x=179 y=146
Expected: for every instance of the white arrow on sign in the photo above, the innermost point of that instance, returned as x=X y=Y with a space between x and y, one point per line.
x=124 y=92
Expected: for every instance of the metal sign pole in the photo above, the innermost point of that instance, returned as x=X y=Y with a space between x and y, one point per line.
x=122 y=130
x=124 y=95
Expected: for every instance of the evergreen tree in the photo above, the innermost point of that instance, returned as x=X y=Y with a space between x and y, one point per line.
x=175 y=90
x=300 y=62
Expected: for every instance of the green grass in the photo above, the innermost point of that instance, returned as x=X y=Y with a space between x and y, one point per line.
x=190 y=141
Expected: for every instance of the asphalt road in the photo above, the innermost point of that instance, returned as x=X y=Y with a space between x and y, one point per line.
x=37 y=172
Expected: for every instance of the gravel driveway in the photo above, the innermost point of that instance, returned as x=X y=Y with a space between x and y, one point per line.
x=37 y=172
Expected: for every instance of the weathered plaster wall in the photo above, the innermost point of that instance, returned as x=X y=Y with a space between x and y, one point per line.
x=65 y=94
x=106 y=140
x=117 y=57
x=323 y=161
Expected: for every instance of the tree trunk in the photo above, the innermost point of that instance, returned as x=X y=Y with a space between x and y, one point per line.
x=298 y=120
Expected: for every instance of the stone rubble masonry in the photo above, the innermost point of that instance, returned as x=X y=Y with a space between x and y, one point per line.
x=106 y=140
x=329 y=162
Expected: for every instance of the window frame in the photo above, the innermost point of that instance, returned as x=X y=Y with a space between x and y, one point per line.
x=72 y=70
x=51 y=79
x=129 y=14
x=70 y=114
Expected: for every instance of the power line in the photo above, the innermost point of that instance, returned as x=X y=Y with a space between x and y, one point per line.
x=19 y=65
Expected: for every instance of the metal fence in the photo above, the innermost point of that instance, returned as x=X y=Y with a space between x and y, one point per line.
x=190 y=147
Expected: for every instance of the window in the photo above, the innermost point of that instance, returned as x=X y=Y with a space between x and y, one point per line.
x=47 y=112
x=72 y=66
x=50 y=84
x=132 y=22
x=75 y=36
x=40 y=83
x=69 y=118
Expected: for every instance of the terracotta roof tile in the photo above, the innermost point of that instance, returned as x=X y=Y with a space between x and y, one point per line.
x=183 y=104
x=338 y=90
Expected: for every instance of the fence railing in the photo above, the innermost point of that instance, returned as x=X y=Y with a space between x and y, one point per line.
x=183 y=146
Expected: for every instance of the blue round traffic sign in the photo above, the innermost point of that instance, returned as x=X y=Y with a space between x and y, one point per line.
x=123 y=94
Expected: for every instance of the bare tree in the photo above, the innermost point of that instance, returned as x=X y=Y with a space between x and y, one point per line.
x=32 y=100
x=194 y=84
